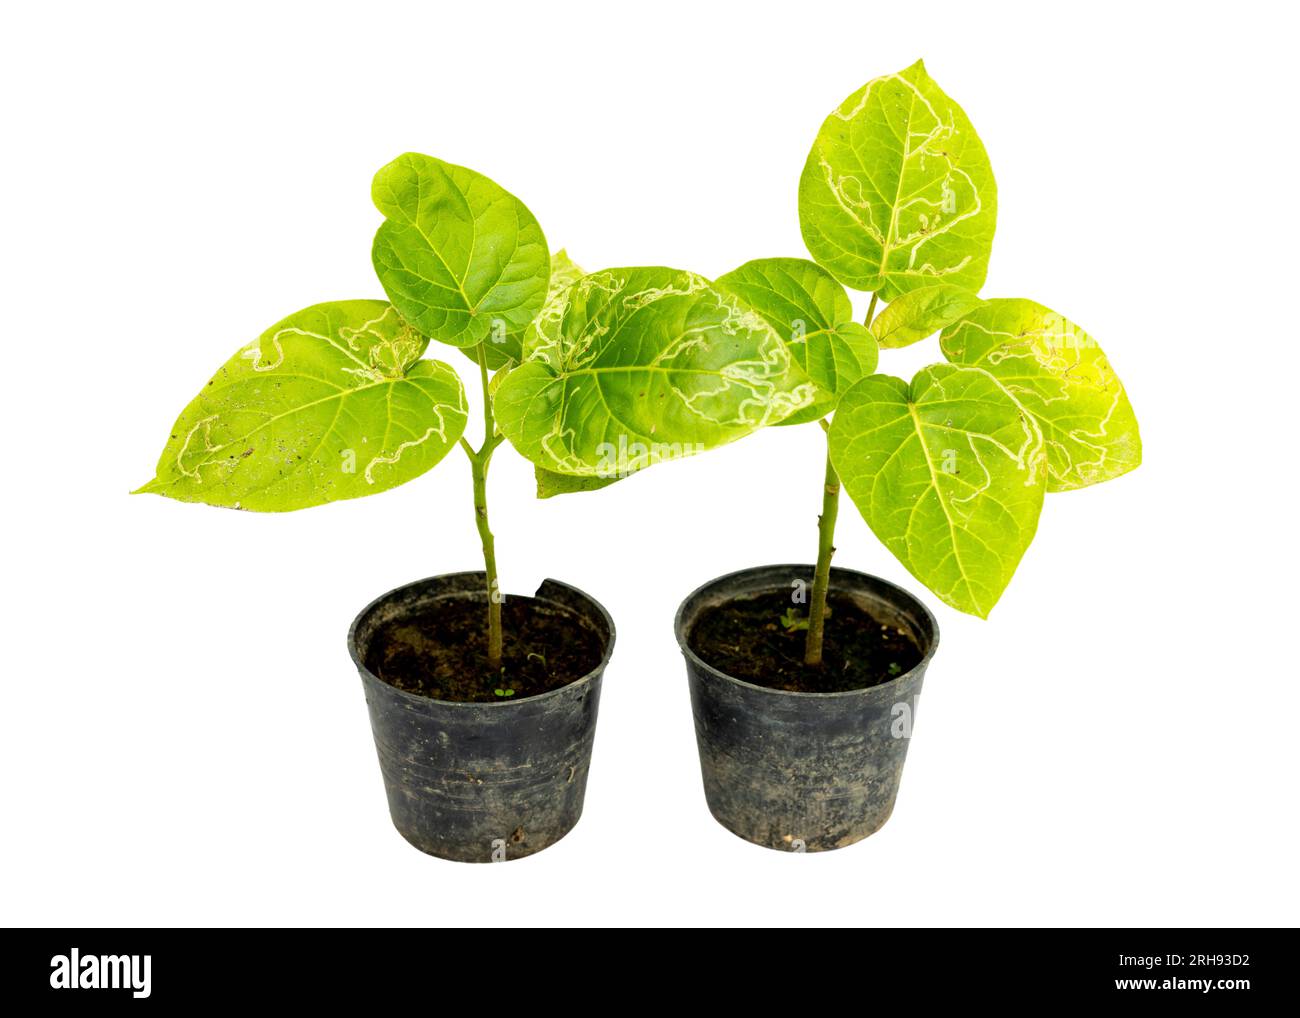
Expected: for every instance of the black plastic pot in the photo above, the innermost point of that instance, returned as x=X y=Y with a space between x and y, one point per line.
x=804 y=771
x=482 y=782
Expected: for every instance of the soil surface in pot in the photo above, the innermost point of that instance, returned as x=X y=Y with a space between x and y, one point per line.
x=442 y=652
x=749 y=639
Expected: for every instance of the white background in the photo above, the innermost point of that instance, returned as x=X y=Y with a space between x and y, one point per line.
x=183 y=739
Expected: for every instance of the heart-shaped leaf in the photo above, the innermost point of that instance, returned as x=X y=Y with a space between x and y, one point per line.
x=632 y=366
x=919 y=314
x=1059 y=374
x=897 y=192
x=331 y=403
x=947 y=472
x=460 y=257
x=812 y=313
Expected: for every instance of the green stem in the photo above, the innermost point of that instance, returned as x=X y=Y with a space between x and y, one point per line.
x=479 y=460
x=825 y=549
x=826 y=544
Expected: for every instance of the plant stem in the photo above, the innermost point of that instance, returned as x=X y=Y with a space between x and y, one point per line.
x=479 y=460
x=825 y=549
x=826 y=544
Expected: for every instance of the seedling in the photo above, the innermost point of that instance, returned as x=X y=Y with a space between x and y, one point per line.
x=337 y=401
x=898 y=199
x=793 y=620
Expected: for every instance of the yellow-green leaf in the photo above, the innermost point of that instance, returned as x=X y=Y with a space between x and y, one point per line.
x=1058 y=373
x=897 y=192
x=330 y=403
x=948 y=472
x=460 y=257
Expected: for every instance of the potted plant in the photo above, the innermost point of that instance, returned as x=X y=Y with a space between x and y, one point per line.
x=483 y=705
x=804 y=678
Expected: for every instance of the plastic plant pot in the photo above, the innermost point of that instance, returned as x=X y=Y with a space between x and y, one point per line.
x=483 y=782
x=803 y=771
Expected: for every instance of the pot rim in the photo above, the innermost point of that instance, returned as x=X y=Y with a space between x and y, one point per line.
x=417 y=698
x=903 y=595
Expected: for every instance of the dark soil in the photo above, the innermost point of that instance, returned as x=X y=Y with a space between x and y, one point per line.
x=747 y=640
x=442 y=653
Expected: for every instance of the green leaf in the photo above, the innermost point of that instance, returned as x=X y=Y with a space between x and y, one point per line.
x=850 y=352
x=494 y=383
x=564 y=272
x=330 y=403
x=897 y=192
x=921 y=313
x=813 y=314
x=632 y=366
x=1059 y=374
x=497 y=355
x=550 y=483
x=796 y=297
x=506 y=351
x=947 y=472
x=461 y=258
